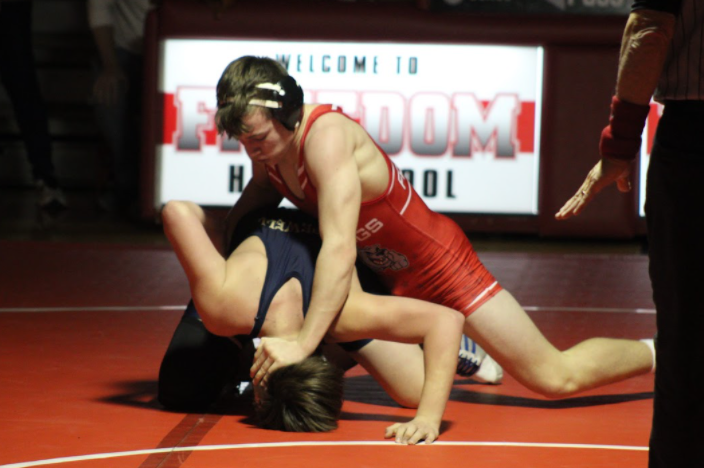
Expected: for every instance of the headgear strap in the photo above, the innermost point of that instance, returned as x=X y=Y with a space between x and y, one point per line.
x=287 y=102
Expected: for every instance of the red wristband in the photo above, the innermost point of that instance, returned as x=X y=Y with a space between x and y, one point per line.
x=621 y=139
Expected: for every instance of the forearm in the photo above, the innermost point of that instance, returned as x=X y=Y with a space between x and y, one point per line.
x=331 y=285
x=408 y=320
x=440 y=347
x=643 y=51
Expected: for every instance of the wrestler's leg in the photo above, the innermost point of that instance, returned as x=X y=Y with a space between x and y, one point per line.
x=204 y=265
x=398 y=367
x=184 y=226
x=505 y=331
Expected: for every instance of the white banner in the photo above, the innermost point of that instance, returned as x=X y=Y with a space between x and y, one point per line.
x=462 y=121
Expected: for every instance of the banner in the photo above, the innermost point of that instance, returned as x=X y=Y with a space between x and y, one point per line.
x=461 y=121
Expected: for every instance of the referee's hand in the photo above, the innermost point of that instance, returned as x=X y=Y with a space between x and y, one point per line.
x=603 y=174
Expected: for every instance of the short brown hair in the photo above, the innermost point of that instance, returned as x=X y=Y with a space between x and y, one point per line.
x=238 y=86
x=302 y=397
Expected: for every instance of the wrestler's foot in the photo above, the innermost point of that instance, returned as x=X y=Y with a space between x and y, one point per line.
x=474 y=362
x=489 y=372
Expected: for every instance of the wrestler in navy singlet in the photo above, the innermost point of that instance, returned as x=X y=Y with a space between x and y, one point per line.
x=197 y=364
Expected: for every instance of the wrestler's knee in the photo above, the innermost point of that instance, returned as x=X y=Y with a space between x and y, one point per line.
x=215 y=315
x=406 y=399
x=553 y=383
x=214 y=305
x=173 y=212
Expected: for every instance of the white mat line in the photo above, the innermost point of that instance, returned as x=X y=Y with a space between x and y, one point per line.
x=202 y=448
x=623 y=310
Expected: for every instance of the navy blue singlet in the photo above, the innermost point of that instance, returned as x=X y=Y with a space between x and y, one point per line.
x=292 y=245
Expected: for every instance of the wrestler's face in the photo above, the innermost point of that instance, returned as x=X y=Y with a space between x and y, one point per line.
x=267 y=141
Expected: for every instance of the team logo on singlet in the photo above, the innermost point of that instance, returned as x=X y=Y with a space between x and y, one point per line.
x=292 y=226
x=380 y=258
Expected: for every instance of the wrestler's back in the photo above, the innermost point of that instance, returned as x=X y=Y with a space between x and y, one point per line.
x=247 y=267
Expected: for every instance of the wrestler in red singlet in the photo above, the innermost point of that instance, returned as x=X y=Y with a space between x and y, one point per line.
x=419 y=253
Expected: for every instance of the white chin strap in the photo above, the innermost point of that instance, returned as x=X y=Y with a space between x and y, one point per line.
x=265 y=103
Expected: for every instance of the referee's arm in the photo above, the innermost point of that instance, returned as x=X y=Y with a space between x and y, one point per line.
x=644 y=47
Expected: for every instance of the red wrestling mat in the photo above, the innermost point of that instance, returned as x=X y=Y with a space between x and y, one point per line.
x=83 y=329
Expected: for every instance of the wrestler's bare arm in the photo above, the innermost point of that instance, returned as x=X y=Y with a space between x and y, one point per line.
x=329 y=158
x=412 y=321
x=331 y=165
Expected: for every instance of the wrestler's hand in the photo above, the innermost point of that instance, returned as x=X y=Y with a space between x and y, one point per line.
x=273 y=353
x=414 y=431
x=606 y=172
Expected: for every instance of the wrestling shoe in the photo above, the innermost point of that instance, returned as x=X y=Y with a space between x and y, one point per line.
x=653 y=346
x=474 y=362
